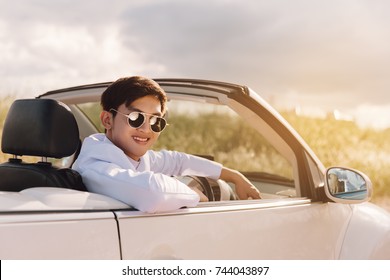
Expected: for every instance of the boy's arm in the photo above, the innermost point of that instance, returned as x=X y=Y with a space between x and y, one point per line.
x=244 y=188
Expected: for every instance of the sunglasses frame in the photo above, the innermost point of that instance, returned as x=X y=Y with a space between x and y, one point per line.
x=144 y=116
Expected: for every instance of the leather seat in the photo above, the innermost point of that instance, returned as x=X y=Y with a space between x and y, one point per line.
x=42 y=128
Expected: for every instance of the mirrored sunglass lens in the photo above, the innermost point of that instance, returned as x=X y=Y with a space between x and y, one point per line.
x=158 y=125
x=136 y=119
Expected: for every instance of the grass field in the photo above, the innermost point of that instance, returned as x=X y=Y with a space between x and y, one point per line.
x=343 y=143
x=335 y=142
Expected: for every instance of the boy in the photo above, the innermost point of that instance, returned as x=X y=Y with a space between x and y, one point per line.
x=121 y=165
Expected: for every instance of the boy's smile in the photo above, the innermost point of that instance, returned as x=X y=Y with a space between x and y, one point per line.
x=140 y=140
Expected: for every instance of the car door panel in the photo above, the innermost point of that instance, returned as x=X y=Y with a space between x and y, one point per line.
x=88 y=235
x=284 y=229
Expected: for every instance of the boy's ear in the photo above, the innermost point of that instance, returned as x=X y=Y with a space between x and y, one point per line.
x=106 y=119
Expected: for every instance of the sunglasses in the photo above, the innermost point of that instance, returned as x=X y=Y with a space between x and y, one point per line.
x=137 y=119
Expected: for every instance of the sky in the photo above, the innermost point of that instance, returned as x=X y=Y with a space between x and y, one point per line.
x=309 y=55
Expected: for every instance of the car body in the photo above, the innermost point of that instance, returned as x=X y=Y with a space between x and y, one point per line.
x=301 y=215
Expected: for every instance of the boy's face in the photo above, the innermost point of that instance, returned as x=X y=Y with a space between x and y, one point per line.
x=135 y=142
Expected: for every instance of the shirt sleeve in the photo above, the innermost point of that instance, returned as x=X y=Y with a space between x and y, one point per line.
x=105 y=169
x=180 y=164
x=147 y=191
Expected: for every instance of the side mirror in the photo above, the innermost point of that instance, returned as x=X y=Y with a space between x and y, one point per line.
x=347 y=185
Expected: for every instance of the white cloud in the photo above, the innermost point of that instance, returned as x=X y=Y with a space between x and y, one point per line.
x=54 y=56
x=311 y=47
x=335 y=54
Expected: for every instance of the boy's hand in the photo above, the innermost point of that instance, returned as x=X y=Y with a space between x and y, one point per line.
x=244 y=188
x=203 y=197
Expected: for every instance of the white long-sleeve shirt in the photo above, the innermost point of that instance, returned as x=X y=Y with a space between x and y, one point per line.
x=147 y=185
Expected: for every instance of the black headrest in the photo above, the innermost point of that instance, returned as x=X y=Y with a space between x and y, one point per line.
x=40 y=127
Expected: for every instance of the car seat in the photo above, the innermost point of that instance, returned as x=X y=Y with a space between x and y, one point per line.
x=42 y=128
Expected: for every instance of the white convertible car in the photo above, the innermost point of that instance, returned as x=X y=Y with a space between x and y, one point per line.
x=307 y=211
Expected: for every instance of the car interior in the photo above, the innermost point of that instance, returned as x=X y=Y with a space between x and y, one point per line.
x=41 y=128
x=54 y=132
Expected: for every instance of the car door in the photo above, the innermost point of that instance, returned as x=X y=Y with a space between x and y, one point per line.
x=272 y=229
x=57 y=223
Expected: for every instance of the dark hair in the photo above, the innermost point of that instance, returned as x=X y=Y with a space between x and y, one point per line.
x=127 y=90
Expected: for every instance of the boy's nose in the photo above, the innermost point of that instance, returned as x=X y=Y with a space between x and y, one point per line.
x=145 y=126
